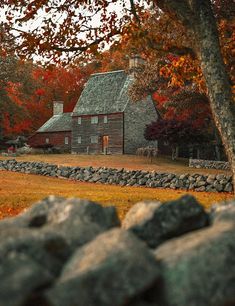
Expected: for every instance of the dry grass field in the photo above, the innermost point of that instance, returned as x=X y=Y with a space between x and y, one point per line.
x=132 y=162
x=19 y=191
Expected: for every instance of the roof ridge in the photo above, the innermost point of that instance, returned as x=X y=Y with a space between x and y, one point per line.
x=107 y=72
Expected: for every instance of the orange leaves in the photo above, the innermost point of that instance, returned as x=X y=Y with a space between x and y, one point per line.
x=181 y=70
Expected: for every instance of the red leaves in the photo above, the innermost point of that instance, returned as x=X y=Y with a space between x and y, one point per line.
x=175 y=132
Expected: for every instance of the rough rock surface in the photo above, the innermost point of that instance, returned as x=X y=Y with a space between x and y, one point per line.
x=155 y=222
x=20 y=276
x=199 y=268
x=223 y=211
x=43 y=264
x=122 y=177
x=209 y=164
x=77 y=221
x=111 y=268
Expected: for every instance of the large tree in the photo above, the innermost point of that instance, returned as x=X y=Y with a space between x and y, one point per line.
x=198 y=17
x=53 y=27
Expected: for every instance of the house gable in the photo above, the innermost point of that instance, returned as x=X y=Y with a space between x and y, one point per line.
x=57 y=123
x=102 y=93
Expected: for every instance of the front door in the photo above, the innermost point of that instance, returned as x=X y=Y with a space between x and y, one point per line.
x=105 y=144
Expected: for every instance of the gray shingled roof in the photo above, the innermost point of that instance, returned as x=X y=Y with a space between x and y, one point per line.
x=104 y=93
x=57 y=123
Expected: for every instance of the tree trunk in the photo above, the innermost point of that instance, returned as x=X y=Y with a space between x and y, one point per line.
x=198 y=17
x=218 y=85
x=217 y=145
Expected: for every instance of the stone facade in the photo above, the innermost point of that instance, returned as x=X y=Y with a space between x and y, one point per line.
x=136 y=116
x=58 y=108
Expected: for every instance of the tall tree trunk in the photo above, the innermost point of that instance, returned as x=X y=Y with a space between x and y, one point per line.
x=218 y=85
x=217 y=145
x=198 y=16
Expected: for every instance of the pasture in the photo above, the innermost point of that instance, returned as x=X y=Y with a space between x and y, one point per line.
x=19 y=191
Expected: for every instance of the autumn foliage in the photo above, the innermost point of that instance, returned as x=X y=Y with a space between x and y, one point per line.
x=175 y=132
x=70 y=32
x=29 y=90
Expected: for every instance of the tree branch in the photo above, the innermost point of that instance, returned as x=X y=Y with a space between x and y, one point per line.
x=134 y=12
x=179 y=9
x=86 y=47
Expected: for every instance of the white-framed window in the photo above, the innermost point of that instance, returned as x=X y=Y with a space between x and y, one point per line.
x=94 y=139
x=47 y=140
x=79 y=120
x=105 y=119
x=94 y=119
x=66 y=140
x=79 y=139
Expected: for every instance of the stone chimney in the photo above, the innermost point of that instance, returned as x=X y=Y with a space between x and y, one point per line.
x=58 y=107
x=135 y=63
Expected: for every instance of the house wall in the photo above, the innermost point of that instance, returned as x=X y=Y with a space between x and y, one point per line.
x=136 y=116
x=113 y=128
x=57 y=139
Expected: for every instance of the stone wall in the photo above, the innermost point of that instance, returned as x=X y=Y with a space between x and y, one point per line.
x=75 y=252
x=209 y=164
x=122 y=177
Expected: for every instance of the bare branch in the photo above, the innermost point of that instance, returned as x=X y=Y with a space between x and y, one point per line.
x=86 y=47
x=134 y=12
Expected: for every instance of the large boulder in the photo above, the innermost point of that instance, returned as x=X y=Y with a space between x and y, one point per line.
x=223 y=211
x=20 y=278
x=77 y=221
x=111 y=270
x=199 y=268
x=155 y=222
x=49 y=250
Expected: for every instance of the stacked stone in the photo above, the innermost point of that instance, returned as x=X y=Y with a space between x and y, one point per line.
x=122 y=177
x=75 y=252
x=209 y=164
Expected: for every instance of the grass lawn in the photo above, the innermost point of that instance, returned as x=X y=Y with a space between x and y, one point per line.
x=19 y=191
x=132 y=162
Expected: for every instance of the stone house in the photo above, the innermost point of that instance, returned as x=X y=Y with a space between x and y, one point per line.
x=104 y=119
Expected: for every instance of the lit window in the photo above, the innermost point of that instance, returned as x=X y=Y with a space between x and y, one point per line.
x=105 y=119
x=94 y=120
x=47 y=140
x=79 y=139
x=94 y=139
x=79 y=120
x=66 y=140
